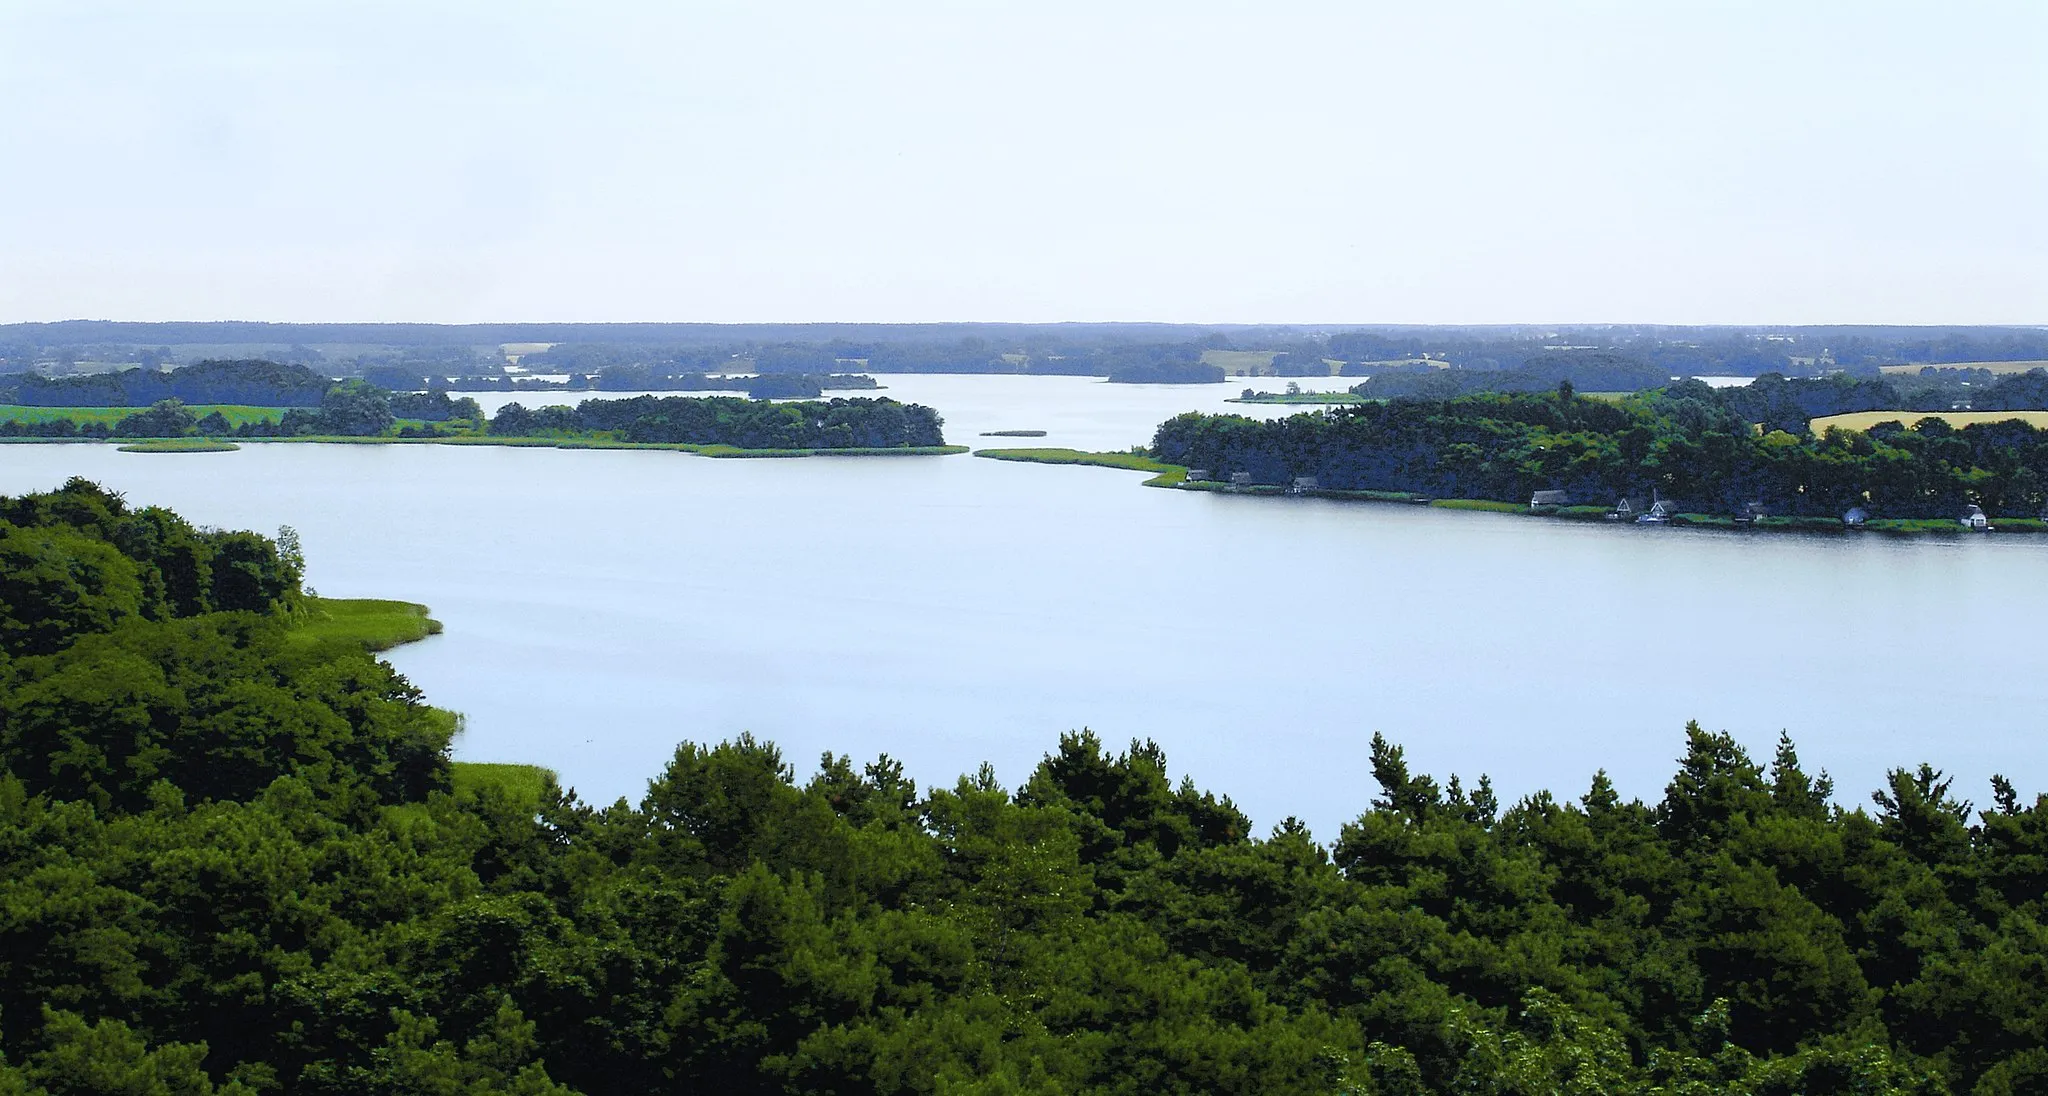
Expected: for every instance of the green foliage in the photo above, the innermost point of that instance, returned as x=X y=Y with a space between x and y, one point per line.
x=836 y=424
x=235 y=858
x=1684 y=441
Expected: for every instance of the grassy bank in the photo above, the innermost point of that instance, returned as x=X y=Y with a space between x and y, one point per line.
x=193 y=445
x=1164 y=475
x=377 y=624
x=1490 y=506
x=181 y=445
x=544 y=442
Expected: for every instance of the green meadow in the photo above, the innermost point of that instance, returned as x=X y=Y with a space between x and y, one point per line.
x=181 y=445
x=377 y=624
x=236 y=414
x=1165 y=475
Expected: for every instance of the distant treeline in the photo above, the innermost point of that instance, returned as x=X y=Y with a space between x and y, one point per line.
x=1690 y=443
x=1589 y=371
x=349 y=409
x=725 y=420
x=1071 y=349
x=1138 y=363
x=644 y=378
x=254 y=383
x=235 y=858
x=1769 y=399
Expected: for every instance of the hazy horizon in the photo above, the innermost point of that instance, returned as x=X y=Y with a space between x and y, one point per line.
x=1723 y=164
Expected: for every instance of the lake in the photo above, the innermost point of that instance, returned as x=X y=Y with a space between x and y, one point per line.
x=602 y=606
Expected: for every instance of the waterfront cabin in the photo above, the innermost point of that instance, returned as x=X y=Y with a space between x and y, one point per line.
x=1748 y=513
x=1198 y=475
x=1303 y=485
x=1661 y=510
x=1240 y=481
x=1549 y=500
x=1974 y=520
x=1628 y=509
x=1855 y=518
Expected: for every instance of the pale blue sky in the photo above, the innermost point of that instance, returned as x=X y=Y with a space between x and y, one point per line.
x=1358 y=162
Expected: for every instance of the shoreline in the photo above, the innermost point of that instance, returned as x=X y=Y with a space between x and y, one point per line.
x=515 y=442
x=380 y=625
x=1175 y=476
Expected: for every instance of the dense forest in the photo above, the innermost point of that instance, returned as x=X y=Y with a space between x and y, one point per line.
x=235 y=860
x=251 y=382
x=1714 y=450
x=725 y=420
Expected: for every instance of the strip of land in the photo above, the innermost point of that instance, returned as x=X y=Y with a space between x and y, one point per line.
x=1164 y=475
x=1176 y=476
x=1994 y=367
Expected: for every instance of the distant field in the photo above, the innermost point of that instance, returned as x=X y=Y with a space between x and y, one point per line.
x=1240 y=361
x=236 y=414
x=1864 y=420
x=1995 y=367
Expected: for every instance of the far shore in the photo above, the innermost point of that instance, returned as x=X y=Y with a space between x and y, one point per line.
x=228 y=443
x=1176 y=476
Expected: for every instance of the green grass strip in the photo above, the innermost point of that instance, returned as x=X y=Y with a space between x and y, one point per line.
x=181 y=445
x=236 y=414
x=1488 y=505
x=376 y=624
x=1164 y=474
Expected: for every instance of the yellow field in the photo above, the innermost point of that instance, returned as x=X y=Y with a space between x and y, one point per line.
x=1995 y=367
x=1240 y=362
x=1864 y=420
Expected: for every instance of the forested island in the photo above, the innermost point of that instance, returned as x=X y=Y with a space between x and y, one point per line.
x=238 y=859
x=1717 y=450
x=357 y=409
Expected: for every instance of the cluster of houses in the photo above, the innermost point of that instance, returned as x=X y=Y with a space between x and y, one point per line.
x=1242 y=481
x=1657 y=511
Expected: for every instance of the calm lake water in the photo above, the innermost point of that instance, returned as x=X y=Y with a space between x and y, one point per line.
x=603 y=606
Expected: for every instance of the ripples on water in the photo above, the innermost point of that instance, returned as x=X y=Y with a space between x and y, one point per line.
x=602 y=606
